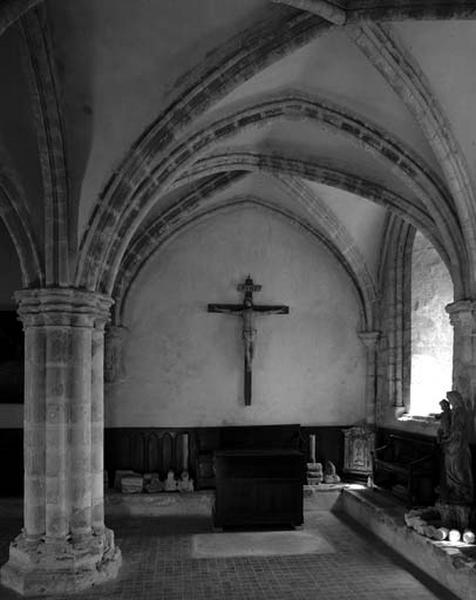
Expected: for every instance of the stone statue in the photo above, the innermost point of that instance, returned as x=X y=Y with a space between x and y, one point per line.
x=330 y=475
x=315 y=474
x=444 y=417
x=154 y=484
x=185 y=484
x=170 y=484
x=456 y=482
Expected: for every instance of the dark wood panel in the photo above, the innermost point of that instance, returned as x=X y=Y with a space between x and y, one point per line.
x=140 y=448
x=408 y=467
x=163 y=449
x=11 y=358
x=384 y=435
x=11 y=462
x=329 y=445
x=147 y=450
x=259 y=487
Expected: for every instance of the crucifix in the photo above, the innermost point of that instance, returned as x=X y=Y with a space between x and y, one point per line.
x=246 y=311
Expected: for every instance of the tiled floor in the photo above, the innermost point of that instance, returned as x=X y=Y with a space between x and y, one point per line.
x=158 y=565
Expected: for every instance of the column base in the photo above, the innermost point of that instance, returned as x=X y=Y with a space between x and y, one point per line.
x=62 y=567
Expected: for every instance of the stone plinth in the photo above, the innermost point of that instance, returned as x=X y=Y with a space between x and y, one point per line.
x=64 y=545
x=199 y=503
x=448 y=563
x=60 y=567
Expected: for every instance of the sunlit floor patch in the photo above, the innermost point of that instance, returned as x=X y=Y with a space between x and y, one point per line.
x=267 y=543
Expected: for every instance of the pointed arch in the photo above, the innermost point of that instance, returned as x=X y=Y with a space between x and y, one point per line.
x=100 y=259
x=41 y=78
x=276 y=161
x=324 y=226
x=16 y=218
x=387 y=54
x=250 y=200
x=145 y=242
x=12 y=10
x=226 y=67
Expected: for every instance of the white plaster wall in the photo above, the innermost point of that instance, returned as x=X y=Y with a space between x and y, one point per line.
x=184 y=366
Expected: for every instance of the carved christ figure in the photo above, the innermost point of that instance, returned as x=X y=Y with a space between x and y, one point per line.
x=248 y=331
x=247 y=311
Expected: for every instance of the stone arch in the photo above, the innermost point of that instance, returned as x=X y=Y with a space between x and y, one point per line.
x=100 y=259
x=15 y=215
x=388 y=55
x=160 y=232
x=46 y=105
x=338 y=239
x=227 y=66
x=277 y=162
x=12 y=10
x=380 y=10
x=144 y=243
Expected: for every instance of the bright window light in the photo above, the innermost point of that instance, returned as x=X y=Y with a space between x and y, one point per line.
x=432 y=334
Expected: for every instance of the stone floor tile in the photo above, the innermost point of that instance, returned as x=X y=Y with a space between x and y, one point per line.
x=158 y=565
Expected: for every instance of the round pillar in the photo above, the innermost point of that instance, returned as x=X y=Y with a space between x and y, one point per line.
x=64 y=545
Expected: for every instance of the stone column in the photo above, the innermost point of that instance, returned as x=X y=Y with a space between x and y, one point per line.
x=463 y=318
x=370 y=339
x=97 y=427
x=64 y=545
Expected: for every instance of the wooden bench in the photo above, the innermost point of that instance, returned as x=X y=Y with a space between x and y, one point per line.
x=408 y=467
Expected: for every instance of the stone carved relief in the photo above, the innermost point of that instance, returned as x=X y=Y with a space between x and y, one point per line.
x=359 y=442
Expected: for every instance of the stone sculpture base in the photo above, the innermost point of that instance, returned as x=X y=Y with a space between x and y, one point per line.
x=60 y=567
x=454 y=516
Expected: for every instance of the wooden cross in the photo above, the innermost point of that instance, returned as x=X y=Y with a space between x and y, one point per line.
x=246 y=311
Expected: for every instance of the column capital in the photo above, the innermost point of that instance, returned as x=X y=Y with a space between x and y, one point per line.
x=62 y=306
x=369 y=338
x=462 y=312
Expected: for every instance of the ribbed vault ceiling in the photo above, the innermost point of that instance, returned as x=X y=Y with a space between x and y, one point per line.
x=169 y=107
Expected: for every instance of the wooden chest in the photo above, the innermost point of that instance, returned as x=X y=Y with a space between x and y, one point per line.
x=259 y=487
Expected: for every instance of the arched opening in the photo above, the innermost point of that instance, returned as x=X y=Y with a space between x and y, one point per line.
x=431 y=332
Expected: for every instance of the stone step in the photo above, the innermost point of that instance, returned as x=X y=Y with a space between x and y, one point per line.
x=453 y=565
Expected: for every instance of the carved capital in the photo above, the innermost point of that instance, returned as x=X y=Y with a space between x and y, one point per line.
x=462 y=314
x=62 y=307
x=369 y=338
